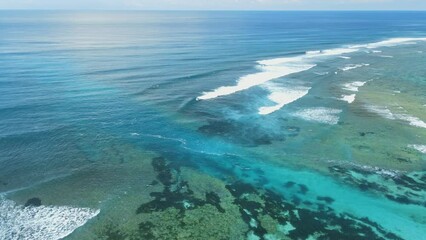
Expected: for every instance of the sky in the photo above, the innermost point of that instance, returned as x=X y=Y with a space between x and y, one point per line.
x=216 y=4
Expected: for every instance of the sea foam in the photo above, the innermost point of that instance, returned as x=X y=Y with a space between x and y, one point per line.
x=348 y=98
x=353 y=66
x=386 y=113
x=282 y=96
x=320 y=114
x=353 y=86
x=271 y=69
x=420 y=148
x=389 y=43
x=268 y=72
x=42 y=222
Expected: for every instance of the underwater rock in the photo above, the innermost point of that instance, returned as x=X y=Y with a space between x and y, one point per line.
x=289 y=184
x=405 y=188
x=323 y=223
x=183 y=212
x=328 y=200
x=35 y=202
x=363 y=134
x=214 y=200
x=111 y=232
x=303 y=188
x=241 y=133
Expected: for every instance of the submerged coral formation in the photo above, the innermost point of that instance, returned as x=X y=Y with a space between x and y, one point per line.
x=404 y=188
x=192 y=205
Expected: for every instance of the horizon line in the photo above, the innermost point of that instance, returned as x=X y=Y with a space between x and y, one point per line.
x=217 y=10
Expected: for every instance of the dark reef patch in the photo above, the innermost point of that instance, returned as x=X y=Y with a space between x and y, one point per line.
x=247 y=135
x=303 y=189
x=34 y=202
x=3 y=183
x=213 y=199
x=145 y=230
x=403 y=188
x=176 y=193
x=327 y=200
x=260 y=211
x=289 y=184
x=305 y=223
x=363 y=134
x=112 y=232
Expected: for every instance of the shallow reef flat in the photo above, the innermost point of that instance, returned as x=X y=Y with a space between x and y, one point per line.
x=189 y=205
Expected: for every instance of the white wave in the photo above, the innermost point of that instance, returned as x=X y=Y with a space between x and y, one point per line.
x=380 y=171
x=321 y=73
x=269 y=72
x=310 y=55
x=353 y=66
x=353 y=86
x=279 y=67
x=345 y=57
x=381 y=111
x=273 y=69
x=377 y=51
x=320 y=114
x=389 y=43
x=420 y=148
x=348 y=98
x=386 y=56
x=413 y=121
x=282 y=96
x=43 y=222
x=386 y=113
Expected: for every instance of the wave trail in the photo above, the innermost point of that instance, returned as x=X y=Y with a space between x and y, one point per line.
x=41 y=222
x=269 y=72
x=271 y=69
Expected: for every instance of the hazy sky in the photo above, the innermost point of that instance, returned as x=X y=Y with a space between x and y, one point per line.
x=217 y=4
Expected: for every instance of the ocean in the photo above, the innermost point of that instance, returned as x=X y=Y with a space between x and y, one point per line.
x=212 y=125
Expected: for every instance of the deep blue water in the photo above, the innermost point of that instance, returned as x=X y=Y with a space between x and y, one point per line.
x=78 y=88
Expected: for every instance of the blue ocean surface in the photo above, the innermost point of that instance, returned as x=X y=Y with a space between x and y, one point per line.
x=212 y=125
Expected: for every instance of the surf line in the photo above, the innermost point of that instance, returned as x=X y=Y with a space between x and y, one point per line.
x=280 y=67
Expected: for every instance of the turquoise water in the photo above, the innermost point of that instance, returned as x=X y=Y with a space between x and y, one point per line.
x=279 y=125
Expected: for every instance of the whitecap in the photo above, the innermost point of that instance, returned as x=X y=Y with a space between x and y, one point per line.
x=389 y=43
x=282 y=96
x=386 y=113
x=271 y=69
x=345 y=57
x=386 y=56
x=353 y=66
x=381 y=111
x=420 y=148
x=348 y=98
x=269 y=72
x=319 y=114
x=42 y=222
x=413 y=121
x=353 y=86
x=321 y=73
